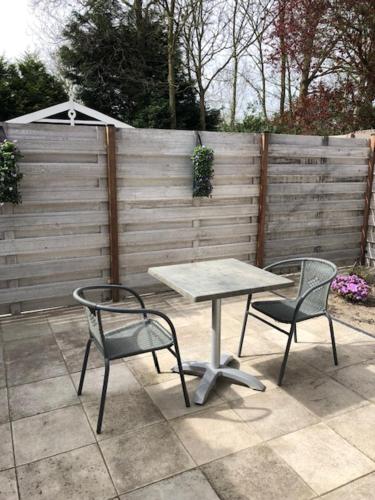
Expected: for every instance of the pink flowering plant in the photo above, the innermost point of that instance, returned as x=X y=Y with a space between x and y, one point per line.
x=352 y=287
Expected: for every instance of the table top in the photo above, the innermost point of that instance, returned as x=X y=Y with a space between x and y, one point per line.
x=216 y=279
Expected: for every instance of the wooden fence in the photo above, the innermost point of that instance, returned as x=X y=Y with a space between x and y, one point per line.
x=369 y=215
x=58 y=238
x=315 y=203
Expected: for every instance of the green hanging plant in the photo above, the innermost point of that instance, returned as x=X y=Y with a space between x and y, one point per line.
x=203 y=172
x=9 y=173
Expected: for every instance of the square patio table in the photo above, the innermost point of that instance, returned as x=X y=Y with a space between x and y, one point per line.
x=215 y=280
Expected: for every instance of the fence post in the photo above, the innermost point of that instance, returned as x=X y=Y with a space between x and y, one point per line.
x=112 y=209
x=368 y=195
x=264 y=141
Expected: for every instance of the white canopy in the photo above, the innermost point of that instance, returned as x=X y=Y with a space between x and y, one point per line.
x=71 y=108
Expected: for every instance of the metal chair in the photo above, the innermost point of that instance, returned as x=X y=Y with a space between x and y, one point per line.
x=315 y=279
x=146 y=335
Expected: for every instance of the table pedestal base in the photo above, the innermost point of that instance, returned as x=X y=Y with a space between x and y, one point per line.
x=209 y=375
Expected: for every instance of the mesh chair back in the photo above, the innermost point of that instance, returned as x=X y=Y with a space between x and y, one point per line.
x=94 y=326
x=314 y=272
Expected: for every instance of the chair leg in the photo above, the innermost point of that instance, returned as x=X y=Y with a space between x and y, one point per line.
x=156 y=362
x=286 y=354
x=332 y=339
x=84 y=366
x=182 y=376
x=295 y=334
x=104 y=393
x=244 y=324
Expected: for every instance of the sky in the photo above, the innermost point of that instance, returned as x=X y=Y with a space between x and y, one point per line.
x=17 y=28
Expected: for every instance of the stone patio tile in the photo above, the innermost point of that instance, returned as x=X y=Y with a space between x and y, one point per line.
x=322 y=458
x=186 y=486
x=259 y=343
x=2 y=368
x=138 y=458
x=168 y=397
x=8 y=485
x=317 y=331
x=343 y=333
x=296 y=369
x=6 y=449
x=321 y=357
x=74 y=358
x=50 y=433
x=75 y=475
x=25 y=329
x=144 y=368
x=361 y=489
x=123 y=413
x=199 y=327
x=230 y=391
x=32 y=360
x=121 y=382
x=4 y=414
x=214 y=433
x=38 y=397
x=360 y=378
x=357 y=427
x=325 y=397
x=69 y=332
x=256 y=473
x=273 y=413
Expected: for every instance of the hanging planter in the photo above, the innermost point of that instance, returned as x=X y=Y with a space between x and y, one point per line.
x=203 y=172
x=9 y=173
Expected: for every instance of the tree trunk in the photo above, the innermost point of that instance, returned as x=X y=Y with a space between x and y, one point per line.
x=263 y=78
x=138 y=10
x=234 y=93
x=172 y=90
x=283 y=60
x=171 y=69
x=202 y=110
x=282 y=83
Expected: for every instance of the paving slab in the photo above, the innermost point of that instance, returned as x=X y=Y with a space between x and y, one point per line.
x=50 y=433
x=273 y=413
x=361 y=489
x=75 y=475
x=4 y=413
x=150 y=454
x=325 y=397
x=214 y=433
x=190 y=485
x=360 y=378
x=25 y=329
x=38 y=397
x=256 y=473
x=6 y=449
x=123 y=413
x=145 y=372
x=322 y=458
x=169 y=399
x=32 y=360
x=8 y=485
x=121 y=382
x=357 y=427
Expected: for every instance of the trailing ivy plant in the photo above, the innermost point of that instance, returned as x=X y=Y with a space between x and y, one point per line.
x=203 y=172
x=9 y=173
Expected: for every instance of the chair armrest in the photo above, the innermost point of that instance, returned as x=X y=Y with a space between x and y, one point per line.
x=282 y=262
x=144 y=311
x=77 y=293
